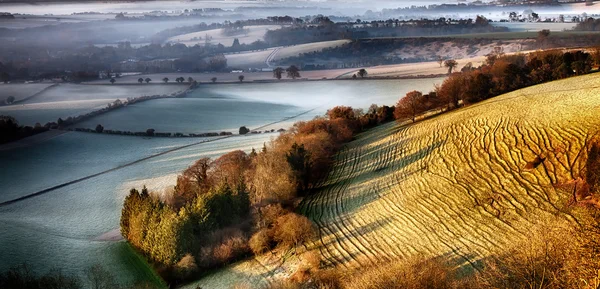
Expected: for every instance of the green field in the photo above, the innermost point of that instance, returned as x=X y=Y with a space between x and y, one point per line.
x=142 y=271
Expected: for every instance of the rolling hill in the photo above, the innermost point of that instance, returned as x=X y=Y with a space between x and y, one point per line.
x=458 y=186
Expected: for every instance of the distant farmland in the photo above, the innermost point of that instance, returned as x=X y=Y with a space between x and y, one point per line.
x=66 y=100
x=457 y=185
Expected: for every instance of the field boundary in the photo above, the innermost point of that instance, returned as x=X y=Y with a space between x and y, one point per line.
x=32 y=96
x=50 y=189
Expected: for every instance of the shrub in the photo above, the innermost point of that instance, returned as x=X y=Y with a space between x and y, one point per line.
x=554 y=255
x=260 y=242
x=233 y=248
x=267 y=215
x=412 y=273
x=312 y=260
x=244 y=130
x=344 y=112
x=292 y=230
x=186 y=266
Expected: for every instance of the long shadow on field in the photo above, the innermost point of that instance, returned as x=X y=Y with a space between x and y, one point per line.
x=342 y=237
x=353 y=190
x=347 y=245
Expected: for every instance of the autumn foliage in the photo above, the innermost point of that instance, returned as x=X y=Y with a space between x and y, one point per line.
x=500 y=74
x=223 y=209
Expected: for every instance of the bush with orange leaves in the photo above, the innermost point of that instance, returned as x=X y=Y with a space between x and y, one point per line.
x=292 y=230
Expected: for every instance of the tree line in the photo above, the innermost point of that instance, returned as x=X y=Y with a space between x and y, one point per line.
x=10 y=130
x=322 y=29
x=239 y=204
x=589 y=24
x=500 y=74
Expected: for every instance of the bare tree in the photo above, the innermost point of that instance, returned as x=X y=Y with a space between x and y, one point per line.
x=450 y=64
x=278 y=73
x=293 y=72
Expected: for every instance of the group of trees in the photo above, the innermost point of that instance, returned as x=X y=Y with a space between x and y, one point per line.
x=362 y=73
x=372 y=52
x=589 y=24
x=10 y=130
x=293 y=72
x=30 y=63
x=322 y=29
x=500 y=74
x=9 y=100
x=224 y=209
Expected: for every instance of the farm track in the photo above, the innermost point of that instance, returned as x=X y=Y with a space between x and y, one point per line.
x=53 y=188
x=456 y=185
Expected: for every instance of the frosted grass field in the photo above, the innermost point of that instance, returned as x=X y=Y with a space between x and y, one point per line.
x=255 y=33
x=192 y=115
x=20 y=90
x=67 y=100
x=60 y=229
x=76 y=155
x=227 y=107
x=295 y=50
x=57 y=229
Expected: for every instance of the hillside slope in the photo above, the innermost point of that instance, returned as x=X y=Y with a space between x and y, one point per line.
x=457 y=185
x=454 y=186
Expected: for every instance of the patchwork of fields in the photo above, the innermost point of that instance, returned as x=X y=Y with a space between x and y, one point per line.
x=61 y=229
x=217 y=36
x=456 y=185
x=66 y=100
x=21 y=91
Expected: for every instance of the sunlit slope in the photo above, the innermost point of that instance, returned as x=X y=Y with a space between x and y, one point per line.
x=456 y=185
